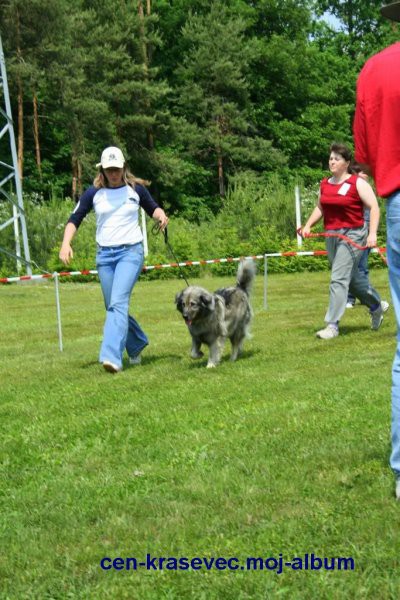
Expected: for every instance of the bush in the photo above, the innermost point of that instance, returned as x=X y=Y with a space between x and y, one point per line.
x=257 y=217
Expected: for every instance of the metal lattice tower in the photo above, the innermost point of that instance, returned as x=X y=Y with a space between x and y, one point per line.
x=11 y=171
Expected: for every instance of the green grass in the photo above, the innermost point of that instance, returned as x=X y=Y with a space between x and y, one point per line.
x=285 y=451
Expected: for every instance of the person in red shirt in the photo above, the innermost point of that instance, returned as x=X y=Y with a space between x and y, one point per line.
x=376 y=131
x=342 y=200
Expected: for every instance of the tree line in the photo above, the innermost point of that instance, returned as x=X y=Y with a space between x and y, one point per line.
x=198 y=93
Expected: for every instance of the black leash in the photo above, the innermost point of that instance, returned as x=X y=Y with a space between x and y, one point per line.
x=155 y=231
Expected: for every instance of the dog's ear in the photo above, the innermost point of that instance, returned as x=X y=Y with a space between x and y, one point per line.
x=179 y=301
x=207 y=301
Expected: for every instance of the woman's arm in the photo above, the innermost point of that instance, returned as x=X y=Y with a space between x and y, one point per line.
x=151 y=207
x=315 y=216
x=84 y=205
x=66 y=252
x=369 y=200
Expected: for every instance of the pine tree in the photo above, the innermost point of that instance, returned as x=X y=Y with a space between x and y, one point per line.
x=213 y=95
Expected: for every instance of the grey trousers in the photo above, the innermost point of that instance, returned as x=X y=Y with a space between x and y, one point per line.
x=345 y=276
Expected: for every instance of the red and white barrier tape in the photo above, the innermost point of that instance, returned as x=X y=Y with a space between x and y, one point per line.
x=345 y=238
x=187 y=263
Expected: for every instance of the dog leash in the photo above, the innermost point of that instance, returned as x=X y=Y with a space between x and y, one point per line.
x=345 y=238
x=155 y=230
x=334 y=235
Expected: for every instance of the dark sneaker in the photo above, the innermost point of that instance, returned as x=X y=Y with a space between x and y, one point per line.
x=377 y=315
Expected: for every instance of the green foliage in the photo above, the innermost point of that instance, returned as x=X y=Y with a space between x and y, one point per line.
x=224 y=106
x=363 y=29
x=257 y=218
x=197 y=95
x=185 y=247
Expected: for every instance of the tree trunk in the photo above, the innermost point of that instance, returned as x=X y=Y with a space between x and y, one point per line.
x=220 y=174
x=36 y=134
x=145 y=61
x=80 y=189
x=142 y=36
x=76 y=176
x=74 y=190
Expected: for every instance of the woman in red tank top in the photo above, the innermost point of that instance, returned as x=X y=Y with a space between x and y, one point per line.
x=342 y=200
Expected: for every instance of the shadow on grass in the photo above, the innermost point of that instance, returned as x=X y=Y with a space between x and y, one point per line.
x=345 y=330
x=146 y=360
x=153 y=358
x=88 y=365
x=201 y=363
x=351 y=329
x=194 y=363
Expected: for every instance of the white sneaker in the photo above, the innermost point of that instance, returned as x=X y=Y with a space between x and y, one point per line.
x=377 y=315
x=110 y=367
x=328 y=333
x=135 y=360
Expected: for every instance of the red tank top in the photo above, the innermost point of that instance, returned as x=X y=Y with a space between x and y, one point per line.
x=341 y=204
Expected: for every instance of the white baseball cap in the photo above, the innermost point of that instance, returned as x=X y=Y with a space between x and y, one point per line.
x=111 y=157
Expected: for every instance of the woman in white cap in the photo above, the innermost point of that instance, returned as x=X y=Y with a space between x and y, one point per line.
x=116 y=196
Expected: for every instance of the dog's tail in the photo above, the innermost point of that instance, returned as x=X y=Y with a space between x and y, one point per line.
x=245 y=275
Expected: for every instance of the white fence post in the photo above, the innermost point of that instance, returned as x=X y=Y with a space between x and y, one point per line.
x=298 y=215
x=144 y=231
x=265 y=282
x=60 y=342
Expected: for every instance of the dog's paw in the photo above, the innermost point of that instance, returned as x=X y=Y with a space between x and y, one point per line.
x=211 y=365
x=197 y=354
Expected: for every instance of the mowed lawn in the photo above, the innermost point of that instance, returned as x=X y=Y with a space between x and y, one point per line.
x=283 y=453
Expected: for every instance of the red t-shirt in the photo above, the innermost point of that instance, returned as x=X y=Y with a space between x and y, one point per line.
x=341 y=204
x=376 y=125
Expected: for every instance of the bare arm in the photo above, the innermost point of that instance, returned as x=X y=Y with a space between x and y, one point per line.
x=66 y=252
x=315 y=216
x=369 y=200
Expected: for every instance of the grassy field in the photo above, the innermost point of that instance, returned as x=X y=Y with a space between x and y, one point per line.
x=283 y=453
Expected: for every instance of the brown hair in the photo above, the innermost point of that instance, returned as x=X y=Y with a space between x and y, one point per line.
x=100 y=181
x=341 y=149
x=356 y=168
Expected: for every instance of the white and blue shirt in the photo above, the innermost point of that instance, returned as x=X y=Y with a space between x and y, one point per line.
x=117 y=213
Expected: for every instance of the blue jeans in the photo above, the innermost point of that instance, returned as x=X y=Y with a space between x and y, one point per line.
x=119 y=268
x=363 y=268
x=393 y=258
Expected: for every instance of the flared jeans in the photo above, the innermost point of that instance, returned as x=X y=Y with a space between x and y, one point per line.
x=119 y=268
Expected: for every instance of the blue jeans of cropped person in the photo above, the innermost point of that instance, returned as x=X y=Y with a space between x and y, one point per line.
x=119 y=268
x=393 y=257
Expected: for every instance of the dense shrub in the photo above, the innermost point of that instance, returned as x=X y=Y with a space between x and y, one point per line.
x=257 y=217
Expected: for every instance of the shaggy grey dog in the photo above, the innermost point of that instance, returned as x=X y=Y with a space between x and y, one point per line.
x=211 y=318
